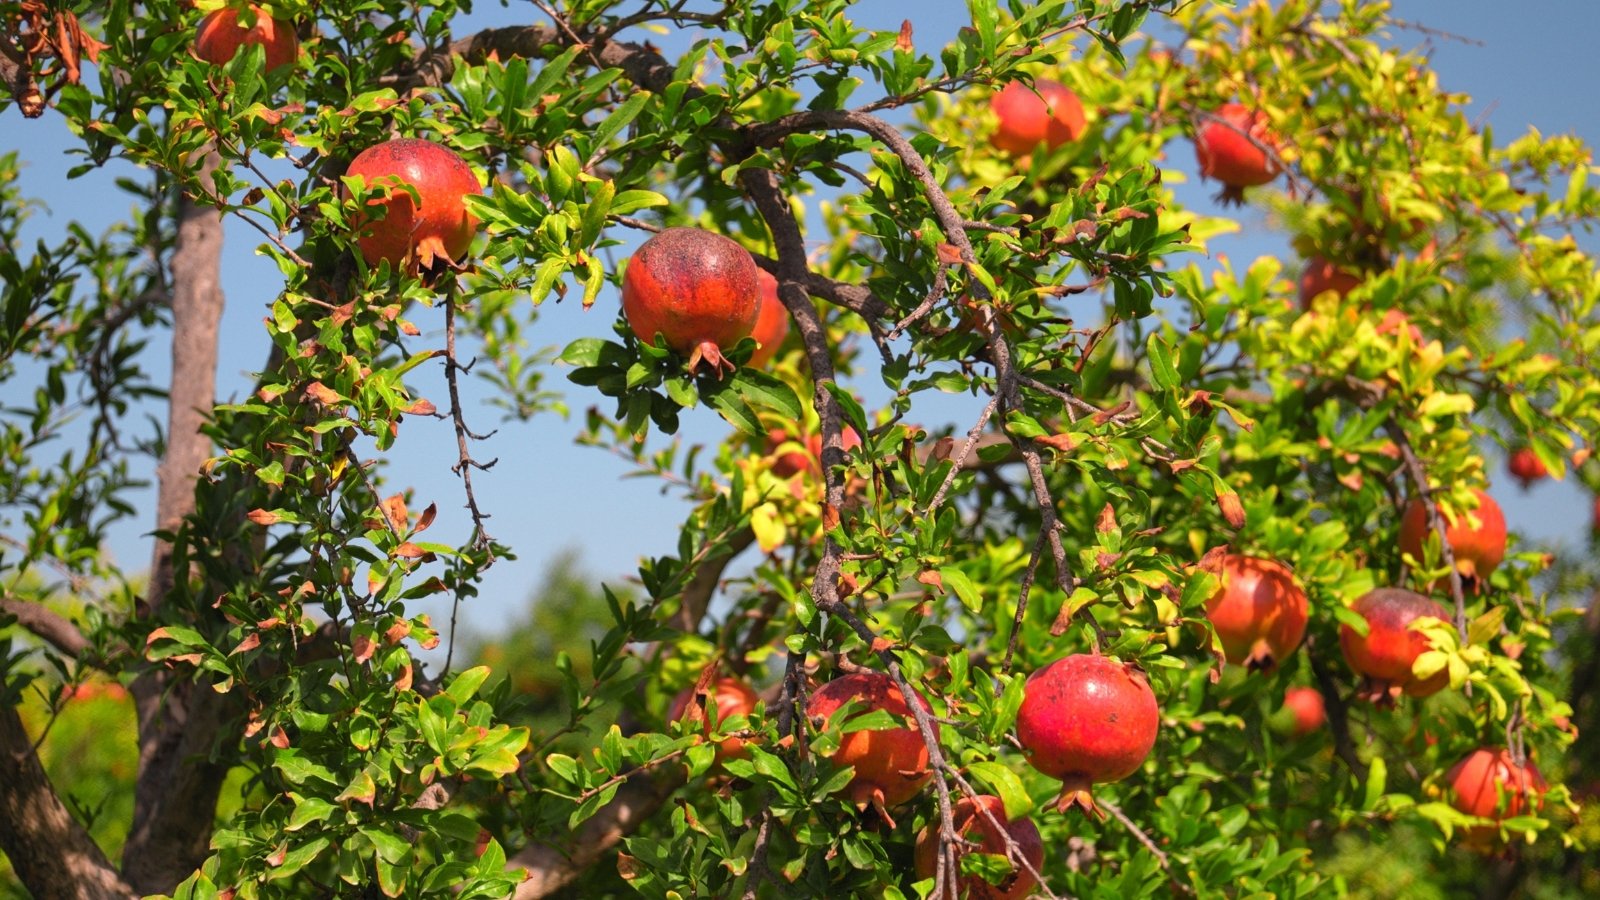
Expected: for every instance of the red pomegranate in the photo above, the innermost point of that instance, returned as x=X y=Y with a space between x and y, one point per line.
x=772 y=322
x=1321 y=276
x=795 y=461
x=730 y=696
x=1087 y=719
x=434 y=226
x=1049 y=113
x=1259 y=612
x=1526 y=467
x=1228 y=155
x=698 y=289
x=1478 y=548
x=1489 y=784
x=1307 y=706
x=891 y=764
x=969 y=817
x=1594 y=524
x=221 y=34
x=1383 y=657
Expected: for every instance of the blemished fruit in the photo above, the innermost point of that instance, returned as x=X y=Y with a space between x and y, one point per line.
x=1229 y=156
x=772 y=322
x=891 y=764
x=436 y=225
x=1308 y=708
x=1259 y=612
x=1489 y=784
x=1087 y=719
x=796 y=461
x=1478 y=549
x=1321 y=276
x=730 y=697
x=972 y=824
x=1526 y=467
x=699 y=290
x=1383 y=656
x=1049 y=113
x=221 y=34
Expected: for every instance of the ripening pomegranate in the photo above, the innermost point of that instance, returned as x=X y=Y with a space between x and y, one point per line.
x=1383 y=656
x=1228 y=155
x=221 y=34
x=1087 y=719
x=969 y=818
x=1321 y=276
x=1049 y=113
x=1259 y=612
x=1308 y=708
x=698 y=289
x=794 y=462
x=1478 y=548
x=1526 y=467
x=436 y=225
x=891 y=764
x=1489 y=784
x=772 y=322
x=731 y=697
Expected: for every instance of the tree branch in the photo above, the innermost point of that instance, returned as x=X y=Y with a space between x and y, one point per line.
x=53 y=628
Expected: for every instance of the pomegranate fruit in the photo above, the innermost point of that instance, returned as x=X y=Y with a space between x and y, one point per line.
x=1526 y=467
x=891 y=764
x=1384 y=655
x=1321 y=276
x=1489 y=784
x=772 y=322
x=1308 y=708
x=729 y=696
x=221 y=34
x=698 y=289
x=1478 y=548
x=1087 y=719
x=1048 y=113
x=968 y=816
x=1229 y=146
x=436 y=225
x=1259 y=612
x=794 y=462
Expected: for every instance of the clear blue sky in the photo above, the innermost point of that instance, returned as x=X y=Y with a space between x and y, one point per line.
x=1538 y=67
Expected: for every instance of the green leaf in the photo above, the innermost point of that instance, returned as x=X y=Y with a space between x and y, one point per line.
x=1162 y=372
x=465 y=685
x=633 y=201
x=958 y=581
x=618 y=120
x=1006 y=785
x=391 y=847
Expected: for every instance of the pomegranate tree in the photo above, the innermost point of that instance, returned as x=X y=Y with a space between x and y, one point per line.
x=972 y=823
x=1526 y=467
x=416 y=231
x=891 y=764
x=1307 y=707
x=1385 y=654
x=1232 y=146
x=1259 y=611
x=1087 y=719
x=1321 y=276
x=1477 y=537
x=1048 y=113
x=222 y=33
x=699 y=290
x=1488 y=783
x=729 y=696
x=772 y=322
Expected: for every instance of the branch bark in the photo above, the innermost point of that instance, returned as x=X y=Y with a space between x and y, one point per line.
x=46 y=624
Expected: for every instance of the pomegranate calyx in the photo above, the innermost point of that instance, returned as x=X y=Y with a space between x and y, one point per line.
x=1077 y=790
x=708 y=352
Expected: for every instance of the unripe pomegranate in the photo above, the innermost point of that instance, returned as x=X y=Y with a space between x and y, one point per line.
x=1228 y=155
x=772 y=322
x=730 y=696
x=698 y=289
x=1478 y=549
x=221 y=34
x=1526 y=467
x=1308 y=708
x=891 y=764
x=1259 y=612
x=1049 y=113
x=1385 y=654
x=1087 y=719
x=968 y=817
x=434 y=226
x=1489 y=784
x=1320 y=276
x=796 y=461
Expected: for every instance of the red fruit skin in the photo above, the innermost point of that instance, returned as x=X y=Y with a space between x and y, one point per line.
x=969 y=818
x=1594 y=523
x=1385 y=654
x=1319 y=276
x=794 y=462
x=699 y=289
x=1489 y=784
x=437 y=226
x=1259 y=612
x=219 y=37
x=1230 y=157
x=1053 y=116
x=891 y=764
x=1478 y=551
x=732 y=697
x=1309 y=710
x=772 y=322
x=1526 y=468
x=1087 y=719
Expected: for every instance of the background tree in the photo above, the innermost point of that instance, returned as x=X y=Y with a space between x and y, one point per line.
x=1132 y=424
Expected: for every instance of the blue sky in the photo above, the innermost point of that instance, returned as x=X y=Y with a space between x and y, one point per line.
x=1535 y=68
